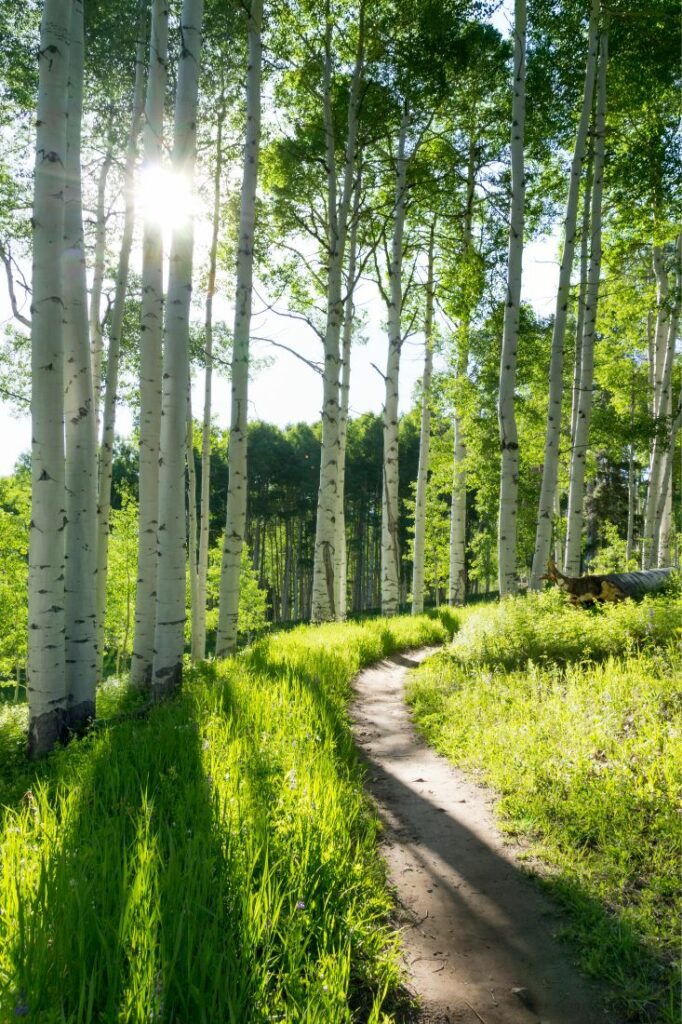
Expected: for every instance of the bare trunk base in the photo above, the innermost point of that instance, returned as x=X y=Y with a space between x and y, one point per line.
x=167 y=682
x=45 y=732
x=80 y=717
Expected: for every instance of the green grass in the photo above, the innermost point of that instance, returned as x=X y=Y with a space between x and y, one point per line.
x=214 y=862
x=575 y=718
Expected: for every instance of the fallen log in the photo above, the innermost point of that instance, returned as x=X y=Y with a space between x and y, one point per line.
x=612 y=586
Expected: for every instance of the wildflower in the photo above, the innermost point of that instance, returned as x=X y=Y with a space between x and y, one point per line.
x=205 y=745
x=300 y=905
x=292 y=779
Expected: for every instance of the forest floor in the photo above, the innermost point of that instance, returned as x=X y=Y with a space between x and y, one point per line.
x=478 y=935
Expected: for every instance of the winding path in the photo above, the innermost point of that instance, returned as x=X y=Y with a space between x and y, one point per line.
x=478 y=934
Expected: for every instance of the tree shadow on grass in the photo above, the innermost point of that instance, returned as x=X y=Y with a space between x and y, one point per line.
x=133 y=916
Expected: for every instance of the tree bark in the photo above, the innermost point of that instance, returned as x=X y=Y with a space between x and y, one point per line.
x=458 y=513
x=81 y=440
x=390 y=510
x=238 y=480
x=663 y=350
x=110 y=395
x=509 y=445
x=170 y=587
x=46 y=683
x=576 y=493
x=151 y=338
x=199 y=629
x=424 y=442
x=325 y=586
x=582 y=287
x=341 y=573
x=550 y=472
x=98 y=267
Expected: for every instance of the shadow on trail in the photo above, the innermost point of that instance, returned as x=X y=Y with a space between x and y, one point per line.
x=498 y=911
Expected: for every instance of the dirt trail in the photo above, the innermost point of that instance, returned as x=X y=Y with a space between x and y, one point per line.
x=478 y=936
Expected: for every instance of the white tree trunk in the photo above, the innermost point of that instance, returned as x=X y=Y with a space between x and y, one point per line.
x=192 y=532
x=81 y=439
x=582 y=288
x=663 y=541
x=199 y=629
x=341 y=571
x=632 y=486
x=550 y=472
x=424 y=443
x=98 y=268
x=458 y=512
x=662 y=351
x=390 y=508
x=170 y=581
x=46 y=682
x=151 y=337
x=116 y=325
x=509 y=445
x=238 y=480
x=576 y=491
x=325 y=585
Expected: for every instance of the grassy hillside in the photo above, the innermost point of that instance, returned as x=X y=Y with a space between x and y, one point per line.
x=213 y=862
x=575 y=717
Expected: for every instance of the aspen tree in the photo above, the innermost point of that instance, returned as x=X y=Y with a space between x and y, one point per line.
x=98 y=267
x=458 y=512
x=170 y=580
x=106 y=453
x=46 y=682
x=325 y=587
x=151 y=338
x=661 y=365
x=199 y=627
x=582 y=286
x=81 y=441
x=509 y=444
x=576 y=492
x=228 y=610
x=341 y=571
x=390 y=511
x=424 y=440
x=550 y=470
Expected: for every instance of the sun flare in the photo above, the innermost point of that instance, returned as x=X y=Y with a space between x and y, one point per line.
x=165 y=198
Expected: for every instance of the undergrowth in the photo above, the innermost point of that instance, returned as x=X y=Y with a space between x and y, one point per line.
x=575 y=718
x=213 y=862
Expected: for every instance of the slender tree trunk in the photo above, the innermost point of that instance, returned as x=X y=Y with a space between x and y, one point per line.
x=582 y=288
x=662 y=549
x=199 y=630
x=632 y=485
x=81 y=440
x=325 y=585
x=509 y=445
x=341 y=573
x=424 y=443
x=238 y=481
x=192 y=535
x=458 y=511
x=98 y=267
x=110 y=395
x=390 y=511
x=576 y=492
x=663 y=354
x=170 y=588
x=550 y=473
x=151 y=338
x=46 y=683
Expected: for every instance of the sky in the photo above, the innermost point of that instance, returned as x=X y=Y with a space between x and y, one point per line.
x=287 y=390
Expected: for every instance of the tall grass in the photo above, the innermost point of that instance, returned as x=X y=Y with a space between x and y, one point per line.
x=576 y=719
x=214 y=862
